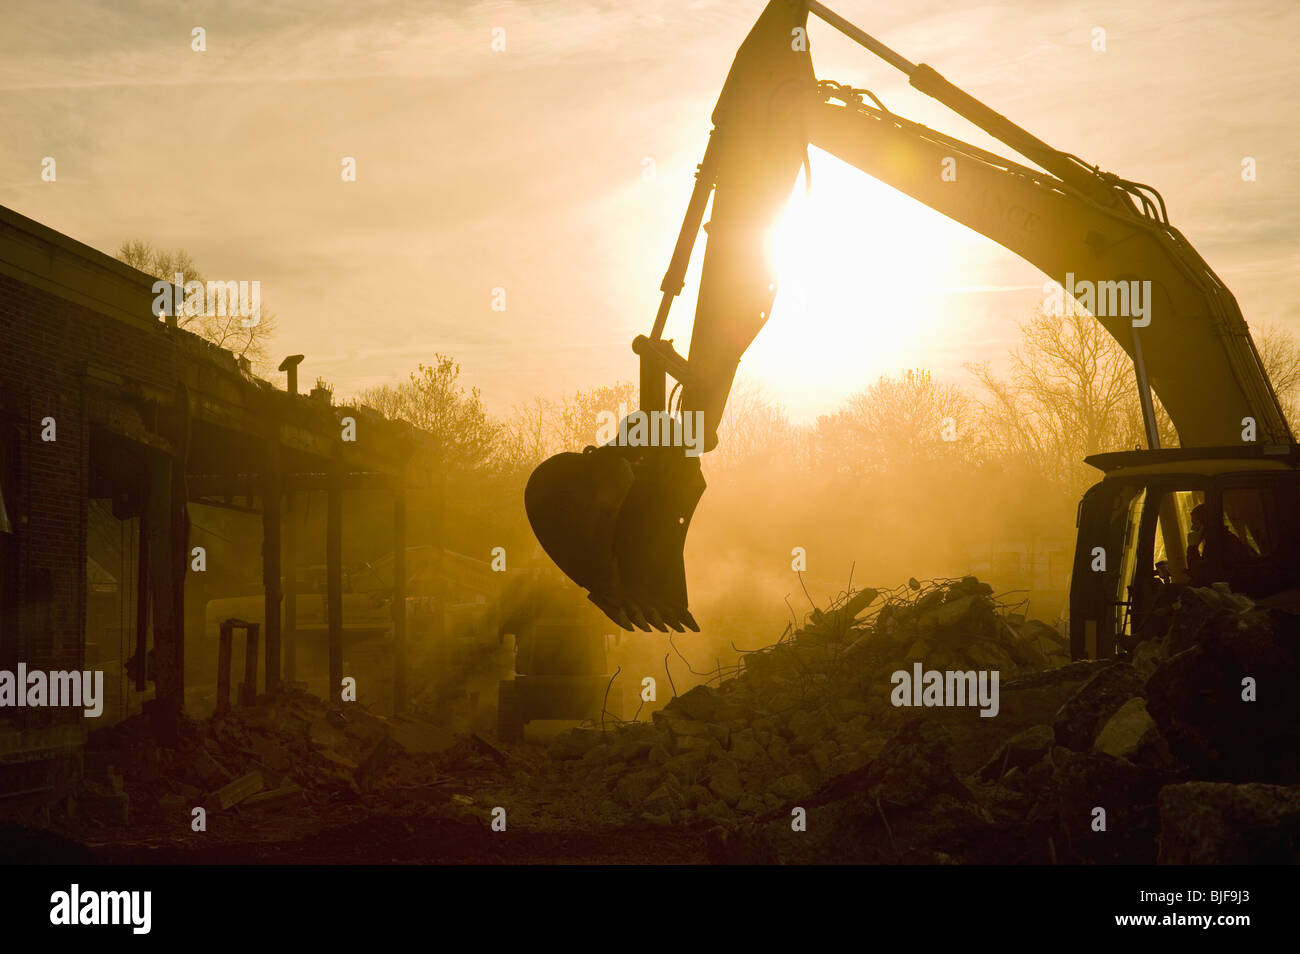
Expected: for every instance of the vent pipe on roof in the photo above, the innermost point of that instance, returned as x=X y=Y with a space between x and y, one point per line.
x=290 y=366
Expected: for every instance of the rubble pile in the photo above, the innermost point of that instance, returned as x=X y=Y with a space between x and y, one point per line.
x=282 y=751
x=1186 y=750
x=1221 y=647
x=1158 y=756
x=1181 y=759
x=812 y=708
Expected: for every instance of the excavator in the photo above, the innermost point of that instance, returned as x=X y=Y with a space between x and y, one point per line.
x=614 y=518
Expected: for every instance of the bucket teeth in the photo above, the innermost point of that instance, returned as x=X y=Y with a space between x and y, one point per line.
x=630 y=614
x=634 y=613
x=613 y=611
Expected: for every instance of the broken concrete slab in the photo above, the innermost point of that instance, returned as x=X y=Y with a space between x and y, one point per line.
x=422 y=738
x=1020 y=751
x=235 y=792
x=281 y=797
x=1082 y=715
x=724 y=781
x=1132 y=734
x=700 y=704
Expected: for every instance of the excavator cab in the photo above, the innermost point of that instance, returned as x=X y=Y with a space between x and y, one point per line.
x=1163 y=520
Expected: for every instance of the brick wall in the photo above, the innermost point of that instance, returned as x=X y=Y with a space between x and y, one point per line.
x=45 y=343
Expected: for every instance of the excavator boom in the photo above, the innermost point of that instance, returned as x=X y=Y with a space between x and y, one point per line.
x=615 y=518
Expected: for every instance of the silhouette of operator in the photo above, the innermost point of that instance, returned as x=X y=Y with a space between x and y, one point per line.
x=1232 y=550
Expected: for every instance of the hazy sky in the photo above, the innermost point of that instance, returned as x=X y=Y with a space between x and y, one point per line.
x=524 y=169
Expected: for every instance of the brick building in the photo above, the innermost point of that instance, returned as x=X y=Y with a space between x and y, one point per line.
x=110 y=416
x=69 y=317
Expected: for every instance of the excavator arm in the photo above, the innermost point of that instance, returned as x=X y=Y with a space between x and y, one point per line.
x=615 y=518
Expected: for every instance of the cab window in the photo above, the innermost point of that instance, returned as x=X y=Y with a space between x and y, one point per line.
x=1259 y=540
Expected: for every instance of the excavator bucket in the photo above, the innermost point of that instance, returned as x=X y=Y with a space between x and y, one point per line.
x=614 y=519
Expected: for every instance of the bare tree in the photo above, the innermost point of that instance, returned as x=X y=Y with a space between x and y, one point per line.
x=899 y=422
x=542 y=427
x=1071 y=392
x=755 y=431
x=578 y=419
x=225 y=331
x=1279 y=350
x=527 y=435
x=434 y=400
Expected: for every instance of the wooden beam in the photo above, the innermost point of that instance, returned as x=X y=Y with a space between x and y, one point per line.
x=178 y=504
x=224 y=643
x=289 y=529
x=334 y=580
x=139 y=659
x=350 y=480
x=399 y=600
x=204 y=487
x=168 y=625
x=248 y=690
x=271 y=561
x=219 y=485
x=223 y=505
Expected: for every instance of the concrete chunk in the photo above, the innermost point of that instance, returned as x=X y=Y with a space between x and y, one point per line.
x=234 y=793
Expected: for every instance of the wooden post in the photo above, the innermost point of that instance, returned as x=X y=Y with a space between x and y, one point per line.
x=139 y=660
x=180 y=540
x=334 y=578
x=223 y=666
x=437 y=629
x=169 y=528
x=271 y=560
x=399 y=597
x=165 y=516
x=248 y=691
x=289 y=531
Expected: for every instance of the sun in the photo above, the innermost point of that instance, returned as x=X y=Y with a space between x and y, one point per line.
x=862 y=271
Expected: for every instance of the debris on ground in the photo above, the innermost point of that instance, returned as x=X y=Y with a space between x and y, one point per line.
x=813 y=707
x=1218 y=823
x=808 y=724
x=280 y=751
x=1185 y=750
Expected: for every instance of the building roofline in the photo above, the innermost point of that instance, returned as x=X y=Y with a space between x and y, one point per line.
x=61 y=266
